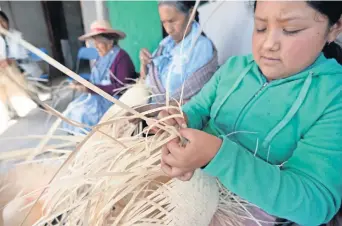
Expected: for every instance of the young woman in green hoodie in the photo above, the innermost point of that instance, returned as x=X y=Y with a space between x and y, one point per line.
x=269 y=125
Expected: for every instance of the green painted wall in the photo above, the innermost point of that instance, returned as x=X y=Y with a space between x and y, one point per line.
x=140 y=21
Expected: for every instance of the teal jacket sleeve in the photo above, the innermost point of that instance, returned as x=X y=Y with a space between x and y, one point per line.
x=198 y=108
x=307 y=189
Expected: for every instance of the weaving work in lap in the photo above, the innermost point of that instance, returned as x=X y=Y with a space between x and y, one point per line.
x=113 y=177
x=252 y=144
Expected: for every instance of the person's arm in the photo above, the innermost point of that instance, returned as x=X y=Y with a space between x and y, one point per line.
x=122 y=68
x=143 y=71
x=145 y=59
x=307 y=189
x=107 y=88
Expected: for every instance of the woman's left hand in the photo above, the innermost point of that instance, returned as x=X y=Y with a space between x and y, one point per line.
x=200 y=149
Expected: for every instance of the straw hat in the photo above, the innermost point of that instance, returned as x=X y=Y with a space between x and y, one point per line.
x=101 y=27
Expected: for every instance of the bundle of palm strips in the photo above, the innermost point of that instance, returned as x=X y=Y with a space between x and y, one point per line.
x=113 y=177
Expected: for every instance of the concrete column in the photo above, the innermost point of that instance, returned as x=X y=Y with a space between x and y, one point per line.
x=100 y=10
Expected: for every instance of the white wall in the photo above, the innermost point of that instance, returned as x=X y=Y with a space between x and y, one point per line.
x=88 y=14
x=91 y=11
x=230 y=27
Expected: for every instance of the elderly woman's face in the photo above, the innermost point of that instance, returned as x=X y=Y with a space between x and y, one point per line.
x=174 y=21
x=102 y=45
x=288 y=37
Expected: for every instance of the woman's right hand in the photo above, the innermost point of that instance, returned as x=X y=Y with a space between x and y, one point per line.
x=145 y=56
x=178 y=122
x=181 y=122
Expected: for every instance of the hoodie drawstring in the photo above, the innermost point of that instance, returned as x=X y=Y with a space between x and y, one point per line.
x=293 y=110
x=232 y=89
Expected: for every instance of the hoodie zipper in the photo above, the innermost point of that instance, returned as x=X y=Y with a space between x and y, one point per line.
x=255 y=95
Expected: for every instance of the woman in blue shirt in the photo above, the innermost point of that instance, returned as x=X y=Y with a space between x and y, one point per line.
x=186 y=56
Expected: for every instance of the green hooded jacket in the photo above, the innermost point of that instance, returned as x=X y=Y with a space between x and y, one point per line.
x=282 y=140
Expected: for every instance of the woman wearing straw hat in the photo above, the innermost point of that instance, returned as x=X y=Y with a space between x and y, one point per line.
x=110 y=72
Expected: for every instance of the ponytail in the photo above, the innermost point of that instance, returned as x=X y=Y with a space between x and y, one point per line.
x=333 y=50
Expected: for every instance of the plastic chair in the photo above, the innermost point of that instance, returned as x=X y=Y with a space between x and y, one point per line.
x=33 y=57
x=85 y=53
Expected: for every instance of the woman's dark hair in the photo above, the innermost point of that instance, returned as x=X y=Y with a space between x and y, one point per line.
x=182 y=6
x=4 y=16
x=332 y=10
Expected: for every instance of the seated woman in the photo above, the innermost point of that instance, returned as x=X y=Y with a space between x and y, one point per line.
x=12 y=52
x=16 y=98
x=190 y=61
x=287 y=98
x=110 y=72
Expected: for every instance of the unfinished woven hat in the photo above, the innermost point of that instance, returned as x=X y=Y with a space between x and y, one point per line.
x=102 y=27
